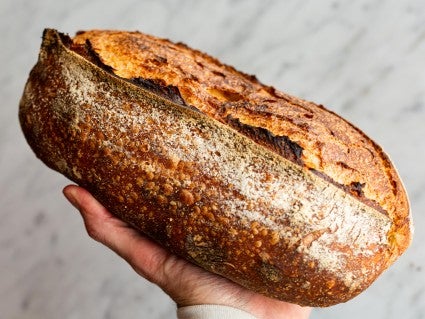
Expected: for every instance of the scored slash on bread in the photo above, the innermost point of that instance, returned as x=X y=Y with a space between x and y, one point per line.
x=273 y=192
x=319 y=139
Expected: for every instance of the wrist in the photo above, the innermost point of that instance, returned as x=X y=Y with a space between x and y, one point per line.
x=212 y=312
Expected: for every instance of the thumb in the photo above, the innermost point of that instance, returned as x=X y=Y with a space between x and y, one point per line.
x=146 y=257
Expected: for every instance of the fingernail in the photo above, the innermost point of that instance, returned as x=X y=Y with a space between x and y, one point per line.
x=70 y=196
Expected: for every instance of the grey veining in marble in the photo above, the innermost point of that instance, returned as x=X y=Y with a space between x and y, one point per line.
x=363 y=59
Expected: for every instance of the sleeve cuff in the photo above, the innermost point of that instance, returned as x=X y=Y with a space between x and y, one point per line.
x=212 y=312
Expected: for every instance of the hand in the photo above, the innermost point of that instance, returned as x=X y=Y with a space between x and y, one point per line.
x=184 y=282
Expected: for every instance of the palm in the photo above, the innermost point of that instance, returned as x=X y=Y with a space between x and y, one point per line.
x=186 y=283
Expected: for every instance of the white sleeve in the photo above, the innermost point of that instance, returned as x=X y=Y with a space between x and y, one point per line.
x=212 y=312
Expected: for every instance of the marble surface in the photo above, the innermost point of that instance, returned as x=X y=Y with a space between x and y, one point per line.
x=363 y=59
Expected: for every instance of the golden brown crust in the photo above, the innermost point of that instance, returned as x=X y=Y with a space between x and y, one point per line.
x=256 y=215
x=328 y=144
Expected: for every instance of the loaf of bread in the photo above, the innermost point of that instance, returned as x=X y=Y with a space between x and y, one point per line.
x=277 y=194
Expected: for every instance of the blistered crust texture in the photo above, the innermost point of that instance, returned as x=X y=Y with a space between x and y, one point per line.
x=200 y=188
x=329 y=145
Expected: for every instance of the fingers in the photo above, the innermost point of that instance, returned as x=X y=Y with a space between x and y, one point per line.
x=145 y=256
x=185 y=283
x=97 y=219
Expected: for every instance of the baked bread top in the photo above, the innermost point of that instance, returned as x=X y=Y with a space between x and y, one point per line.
x=273 y=192
x=301 y=131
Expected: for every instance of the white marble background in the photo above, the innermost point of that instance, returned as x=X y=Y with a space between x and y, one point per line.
x=363 y=59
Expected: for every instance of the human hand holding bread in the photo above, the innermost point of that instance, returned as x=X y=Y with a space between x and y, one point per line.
x=277 y=194
x=187 y=284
